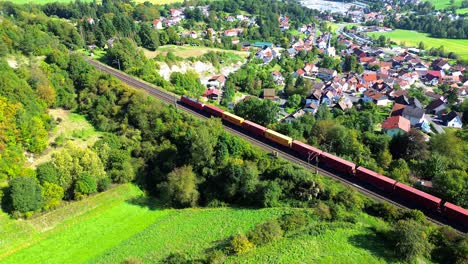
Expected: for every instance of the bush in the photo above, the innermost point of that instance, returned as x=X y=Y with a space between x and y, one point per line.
x=25 y=194
x=266 y=233
x=103 y=184
x=323 y=211
x=176 y=258
x=384 y=210
x=293 y=221
x=215 y=257
x=52 y=194
x=47 y=172
x=450 y=247
x=132 y=260
x=410 y=240
x=269 y=194
x=85 y=185
x=240 y=244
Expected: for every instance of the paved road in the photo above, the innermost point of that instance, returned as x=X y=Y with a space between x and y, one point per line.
x=267 y=146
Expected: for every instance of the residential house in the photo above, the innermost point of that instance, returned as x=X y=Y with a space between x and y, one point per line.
x=397 y=109
x=436 y=106
x=157 y=24
x=396 y=125
x=217 y=81
x=292 y=117
x=440 y=65
x=452 y=119
x=269 y=94
x=278 y=77
x=375 y=97
x=344 y=104
x=267 y=54
x=414 y=114
x=403 y=99
x=299 y=73
x=326 y=74
x=212 y=93
x=311 y=107
x=433 y=77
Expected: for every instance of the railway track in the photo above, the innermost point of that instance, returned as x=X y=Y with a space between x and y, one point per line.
x=173 y=100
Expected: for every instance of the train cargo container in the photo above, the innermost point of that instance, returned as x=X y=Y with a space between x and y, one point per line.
x=192 y=102
x=337 y=163
x=456 y=213
x=417 y=197
x=233 y=119
x=278 y=138
x=254 y=128
x=305 y=150
x=213 y=110
x=375 y=179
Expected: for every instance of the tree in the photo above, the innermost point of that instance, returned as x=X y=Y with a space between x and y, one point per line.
x=85 y=185
x=47 y=172
x=240 y=244
x=294 y=101
x=452 y=185
x=241 y=180
x=350 y=63
x=323 y=113
x=52 y=194
x=187 y=83
x=148 y=36
x=410 y=240
x=399 y=170
x=25 y=194
x=180 y=189
x=263 y=112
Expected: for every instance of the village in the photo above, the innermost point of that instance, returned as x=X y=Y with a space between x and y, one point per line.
x=387 y=74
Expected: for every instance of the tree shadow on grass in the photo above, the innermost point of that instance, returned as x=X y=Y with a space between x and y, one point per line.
x=376 y=244
x=147 y=202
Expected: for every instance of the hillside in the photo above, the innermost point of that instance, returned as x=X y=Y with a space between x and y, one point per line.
x=123 y=223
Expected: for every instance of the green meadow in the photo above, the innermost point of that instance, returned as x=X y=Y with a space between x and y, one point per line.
x=122 y=224
x=440 y=4
x=412 y=38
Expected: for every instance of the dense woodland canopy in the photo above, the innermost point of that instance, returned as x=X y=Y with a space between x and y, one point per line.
x=181 y=160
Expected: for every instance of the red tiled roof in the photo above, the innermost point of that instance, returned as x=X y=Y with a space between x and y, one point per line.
x=397 y=122
x=370 y=76
x=397 y=109
x=211 y=91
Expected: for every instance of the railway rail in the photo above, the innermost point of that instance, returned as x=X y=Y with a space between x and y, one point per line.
x=174 y=100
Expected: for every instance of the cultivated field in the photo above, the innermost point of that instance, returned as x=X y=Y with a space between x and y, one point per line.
x=189 y=51
x=440 y=4
x=121 y=223
x=412 y=38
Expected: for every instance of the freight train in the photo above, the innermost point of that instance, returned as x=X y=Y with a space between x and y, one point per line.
x=423 y=200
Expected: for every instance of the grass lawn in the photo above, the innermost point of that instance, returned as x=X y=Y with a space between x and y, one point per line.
x=111 y=227
x=73 y=127
x=412 y=38
x=189 y=51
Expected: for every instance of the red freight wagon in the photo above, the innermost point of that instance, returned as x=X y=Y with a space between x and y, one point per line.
x=417 y=196
x=214 y=110
x=192 y=102
x=375 y=179
x=337 y=163
x=254 y=128
x=305 y=150
x=457 y=213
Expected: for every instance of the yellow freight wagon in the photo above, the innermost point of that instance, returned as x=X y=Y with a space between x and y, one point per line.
x=278 y=138
x=231 y=118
